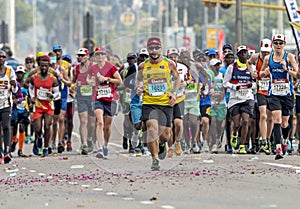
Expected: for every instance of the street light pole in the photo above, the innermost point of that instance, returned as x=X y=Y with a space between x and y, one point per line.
x=238 y=23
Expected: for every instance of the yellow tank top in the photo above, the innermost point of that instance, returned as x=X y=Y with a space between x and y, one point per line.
x=157 y=83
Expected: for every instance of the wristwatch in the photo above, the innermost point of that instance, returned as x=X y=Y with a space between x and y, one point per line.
x=108 y=80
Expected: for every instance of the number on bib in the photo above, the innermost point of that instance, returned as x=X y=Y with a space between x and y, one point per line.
x=104 y=91
x=86 y=90
x=42 y=93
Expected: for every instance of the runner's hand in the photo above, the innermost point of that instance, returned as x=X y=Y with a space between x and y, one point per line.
x=283 y=64
x=13 y=83
x=172 y=99
x=249 y=85
x=237 y=88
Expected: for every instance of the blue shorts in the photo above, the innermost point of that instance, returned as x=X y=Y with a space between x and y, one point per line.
x=64 y=104
x=136 y=113
x=105 y=106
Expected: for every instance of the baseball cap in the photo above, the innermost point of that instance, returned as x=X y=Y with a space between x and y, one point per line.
x=266 y=45
x=67 y=56
x=213 y=62
x=241 y=48
x=56 y=47
x=172 y=51
x=211 y=52
x=29 y=59
x=144 y=51
x=278 y=37
x=83 y=51
x=131 y=54
x=21 y=68
x=100 y=49
x=227 y=46
x=229 y=53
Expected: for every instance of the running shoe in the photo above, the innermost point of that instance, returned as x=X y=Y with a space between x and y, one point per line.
x=242 y=150
x=264 y=147
x=284 y=147
x=234 y=141
x=21 y=154
x=27 y=140
x=69 y=146
x=178 y=149
x=99 y=153
x=251 y=150
x=90 y=146
x=162 y=153
x=205 y=147
x=196 y=148
x=105 y=151
x=84 y=150
x=214 y=149
x=60 y=148
x=7 y=158
x=13 y=146
x=279 y=154
x=35 y=149
x=32 y=139
x=170 y=152
x=50 y=150
x=45 y=152
x=155 y=165
x=40 y=152
x=290 y=148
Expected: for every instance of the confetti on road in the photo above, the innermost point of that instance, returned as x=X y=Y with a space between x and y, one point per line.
x=97 y=189
x=111 y=193
x=77 y=166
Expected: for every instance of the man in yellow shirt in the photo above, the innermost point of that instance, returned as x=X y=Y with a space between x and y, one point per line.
x=154 y=82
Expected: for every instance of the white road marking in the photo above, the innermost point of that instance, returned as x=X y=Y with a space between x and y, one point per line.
x=167 y=207
x=282 y=165
x=146 y=202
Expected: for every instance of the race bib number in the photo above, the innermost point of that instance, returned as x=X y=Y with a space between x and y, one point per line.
x=263 y=85
x=280 y=87
x=180 y=92
x=157 y=87
x=128 y=95
x=3 y=93
x=86 y=90
x=244 y=93
x=42 y=93
x=21 y=106
x=191 y=92
x=104 y=91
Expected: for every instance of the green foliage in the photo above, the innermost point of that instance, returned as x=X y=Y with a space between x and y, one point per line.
x=23 y=16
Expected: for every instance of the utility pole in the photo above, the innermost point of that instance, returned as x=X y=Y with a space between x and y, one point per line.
x=238 y=23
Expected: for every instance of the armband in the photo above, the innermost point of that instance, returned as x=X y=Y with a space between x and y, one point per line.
x=30 y=89
x=56 y=93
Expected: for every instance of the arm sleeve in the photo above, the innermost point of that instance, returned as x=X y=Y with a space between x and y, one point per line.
x=227 y=79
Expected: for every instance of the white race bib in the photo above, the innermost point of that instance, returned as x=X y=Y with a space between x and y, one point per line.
x=263 y=84
x=128 y=95
x=244 y=93
x=3 y=93
x=104 y=91
x=42 y=93
x=21 y=106
x=280 y=87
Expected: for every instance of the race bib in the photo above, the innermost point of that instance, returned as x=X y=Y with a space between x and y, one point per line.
x=42 y=93
x=280 y=87
x=180 y=92
x=104 y=91
x=206 y=90
x=244 y=93
x=3 y=93
x=128 y=95
x=86 y=90
x=191 y=92
x=21 y=106
x=157 y=87
x=263 y=85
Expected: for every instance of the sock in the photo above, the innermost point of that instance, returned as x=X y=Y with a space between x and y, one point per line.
x=21 y=140
x=277 y=133
x=285 y=132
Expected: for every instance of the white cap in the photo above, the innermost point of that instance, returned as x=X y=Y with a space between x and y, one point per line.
x=265 y=45
x=21 y=68
x=144 y=51
x=214 y=61
x=172 y=51
x=242 y=47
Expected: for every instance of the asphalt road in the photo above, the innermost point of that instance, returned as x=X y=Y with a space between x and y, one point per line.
x=70 y=180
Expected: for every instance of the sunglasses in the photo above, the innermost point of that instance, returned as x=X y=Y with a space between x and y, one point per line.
x=226 y=51
x=100 y=53
x=277 y=42
x=151 y=48
x=29 y=62
x=80 y=55
x=2 y=56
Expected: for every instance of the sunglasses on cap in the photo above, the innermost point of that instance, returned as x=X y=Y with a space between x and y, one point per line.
x=277 y=42
x=154 y=48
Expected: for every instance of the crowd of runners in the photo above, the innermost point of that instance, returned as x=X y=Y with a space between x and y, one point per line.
x=174 y=103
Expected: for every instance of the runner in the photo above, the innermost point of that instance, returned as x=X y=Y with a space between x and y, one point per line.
x=281 y=66
x=154 y=81
x=238 y=80
x=178 y=109
x=84 y=100
x=43 y=89
x=103 y=76
x=265 y=116
x=7 y=83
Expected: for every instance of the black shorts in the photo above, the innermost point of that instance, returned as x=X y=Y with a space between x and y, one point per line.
x=105 y=106
x=205 y=111
x=23 y=118
x=163 y=114
x=85 y=105
x=262 y=100
x=297 y=104
x=57 y=107
x=244 y=107
x=178 y=110
x=283 y=103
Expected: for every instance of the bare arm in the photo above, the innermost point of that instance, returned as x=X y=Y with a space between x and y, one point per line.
x=176 y=83
x=138 y=88
x=292 y=61
x=264 y=71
